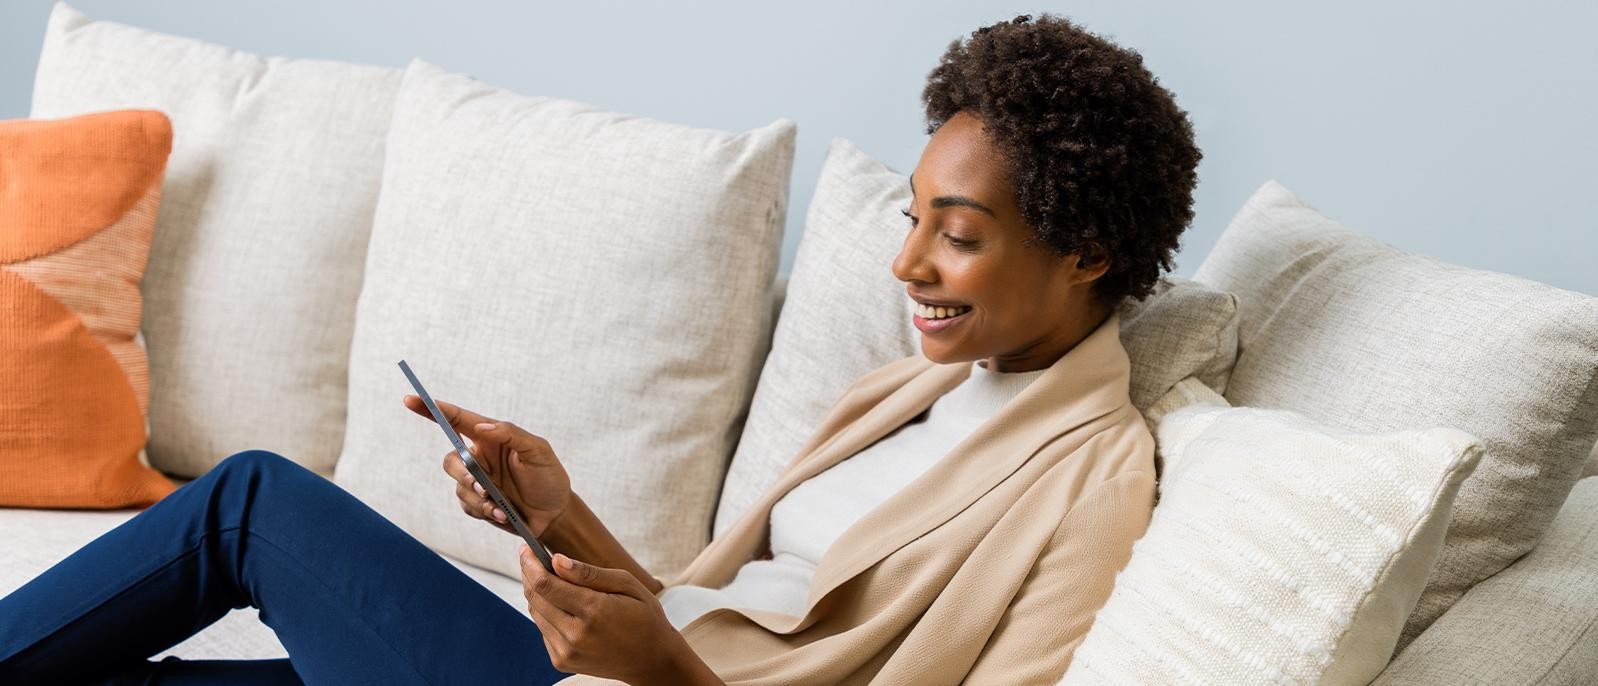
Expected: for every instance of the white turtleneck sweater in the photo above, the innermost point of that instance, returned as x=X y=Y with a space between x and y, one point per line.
x=809 y=518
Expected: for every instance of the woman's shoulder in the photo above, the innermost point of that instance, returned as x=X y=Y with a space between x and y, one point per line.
x=1120 y=446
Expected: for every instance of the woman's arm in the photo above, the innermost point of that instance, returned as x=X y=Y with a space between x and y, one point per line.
x=579 y=534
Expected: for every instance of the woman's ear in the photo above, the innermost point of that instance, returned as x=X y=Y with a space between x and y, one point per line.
x=1092 y=261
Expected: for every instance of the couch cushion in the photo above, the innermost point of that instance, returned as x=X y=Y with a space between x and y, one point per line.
x=1535 y=622
x=1348 y=330
x=844 y=314
x=78 y=201
x=256 y=261
x=1280 y=550
x=601 y=279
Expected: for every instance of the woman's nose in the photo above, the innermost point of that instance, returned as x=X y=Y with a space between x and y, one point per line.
x=909 y=264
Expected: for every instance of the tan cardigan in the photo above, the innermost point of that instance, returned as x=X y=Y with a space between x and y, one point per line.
x=987 y=569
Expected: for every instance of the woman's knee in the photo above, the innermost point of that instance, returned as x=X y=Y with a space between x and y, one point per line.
x=256 y=461
x=254 y=477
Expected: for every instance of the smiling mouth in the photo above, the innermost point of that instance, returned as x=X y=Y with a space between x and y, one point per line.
x=935 y=324
x=932 y=313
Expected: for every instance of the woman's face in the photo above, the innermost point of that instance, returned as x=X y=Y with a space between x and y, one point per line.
x=1023 y=307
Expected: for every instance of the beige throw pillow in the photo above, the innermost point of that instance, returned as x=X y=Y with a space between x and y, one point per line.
x=601 y=279
x=1281 y=550
x=255 y=263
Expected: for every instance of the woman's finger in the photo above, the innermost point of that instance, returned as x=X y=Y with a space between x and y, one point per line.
x=595 y=578
x=562 y=620
x=551 y=632
x=469 y=503
x=514 y=437
x=535 y=582
x=456 y=469
x=562 y=594
x=463 y=420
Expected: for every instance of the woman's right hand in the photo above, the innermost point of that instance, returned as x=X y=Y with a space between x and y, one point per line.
x=522 y=465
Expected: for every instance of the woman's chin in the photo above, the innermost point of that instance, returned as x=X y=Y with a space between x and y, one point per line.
x=937 y=354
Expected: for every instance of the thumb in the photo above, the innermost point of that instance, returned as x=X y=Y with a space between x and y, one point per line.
x=600 y=579
x=514 y=437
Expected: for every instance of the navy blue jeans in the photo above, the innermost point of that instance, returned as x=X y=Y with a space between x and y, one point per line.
x=353 y=599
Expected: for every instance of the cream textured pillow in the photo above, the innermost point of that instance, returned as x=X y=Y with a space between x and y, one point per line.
x=1350 y=331
x=255 y=264
x=601 y=279
x=845 y=314
x=1281 y=550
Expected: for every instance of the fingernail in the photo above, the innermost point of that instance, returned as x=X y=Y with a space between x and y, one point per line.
x=479 y=488
x=565 y=562
x=499 y=515
x=486 y=426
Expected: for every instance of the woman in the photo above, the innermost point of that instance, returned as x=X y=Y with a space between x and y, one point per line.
x=958 y=515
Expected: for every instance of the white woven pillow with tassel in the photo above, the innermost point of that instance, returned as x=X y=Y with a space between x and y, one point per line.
x=1281 y=550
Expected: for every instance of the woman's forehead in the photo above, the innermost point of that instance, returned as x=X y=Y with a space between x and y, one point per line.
x=961 y=161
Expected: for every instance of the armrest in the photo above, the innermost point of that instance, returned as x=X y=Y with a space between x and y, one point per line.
x=1534 y=622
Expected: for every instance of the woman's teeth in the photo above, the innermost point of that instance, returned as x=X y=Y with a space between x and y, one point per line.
x=940 y=312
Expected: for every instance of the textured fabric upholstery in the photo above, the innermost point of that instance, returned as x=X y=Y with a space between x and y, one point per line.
x=1348 y=330
x=598 y=278
x=1535 y=622
x=1281 y=550
x=249 y=298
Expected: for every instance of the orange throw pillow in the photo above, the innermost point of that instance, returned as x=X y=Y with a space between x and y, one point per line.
x=78 y=200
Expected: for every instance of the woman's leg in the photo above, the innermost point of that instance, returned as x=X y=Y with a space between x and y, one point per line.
x=352 y=597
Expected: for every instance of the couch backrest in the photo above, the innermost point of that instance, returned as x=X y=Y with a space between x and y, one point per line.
x=1348 y=330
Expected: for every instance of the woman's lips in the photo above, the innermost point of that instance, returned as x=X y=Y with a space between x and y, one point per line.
x=937 y=325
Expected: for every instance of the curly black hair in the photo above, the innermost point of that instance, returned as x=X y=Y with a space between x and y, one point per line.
x=1103 y=161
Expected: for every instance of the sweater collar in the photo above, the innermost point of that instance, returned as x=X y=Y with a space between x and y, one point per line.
x=983 y=392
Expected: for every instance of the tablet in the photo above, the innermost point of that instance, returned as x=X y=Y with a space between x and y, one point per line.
x=479 y=473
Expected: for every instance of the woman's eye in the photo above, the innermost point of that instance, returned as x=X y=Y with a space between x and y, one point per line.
x=913 y=218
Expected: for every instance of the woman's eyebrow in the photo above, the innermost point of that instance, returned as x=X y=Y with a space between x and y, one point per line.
x=943 y=201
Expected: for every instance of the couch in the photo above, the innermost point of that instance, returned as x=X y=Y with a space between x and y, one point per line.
x=1323 y=322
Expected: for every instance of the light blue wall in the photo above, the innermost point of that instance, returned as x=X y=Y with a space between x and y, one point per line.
x=1462 y=130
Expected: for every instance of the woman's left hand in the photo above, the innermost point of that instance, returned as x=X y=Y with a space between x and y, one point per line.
x=603 y=622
